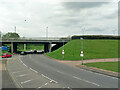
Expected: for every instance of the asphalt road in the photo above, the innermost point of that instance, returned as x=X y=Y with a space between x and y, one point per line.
x=68 y=76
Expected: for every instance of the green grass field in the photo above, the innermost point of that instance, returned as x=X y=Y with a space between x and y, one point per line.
x=93 y=49
x=20 y=47
x=111 y=66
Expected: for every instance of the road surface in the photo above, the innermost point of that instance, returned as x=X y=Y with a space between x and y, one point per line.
x=63 y=75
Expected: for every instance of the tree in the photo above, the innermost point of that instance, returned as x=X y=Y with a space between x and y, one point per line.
x=11 y=35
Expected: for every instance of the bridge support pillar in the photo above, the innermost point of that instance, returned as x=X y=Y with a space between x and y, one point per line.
x=13 y=47
x=47 y=47
x=25 y=46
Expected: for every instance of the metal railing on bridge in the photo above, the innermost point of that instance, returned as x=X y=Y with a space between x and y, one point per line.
x=38 y=38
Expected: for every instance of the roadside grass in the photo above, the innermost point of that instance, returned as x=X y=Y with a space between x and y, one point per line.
x=111 y=66
x=30 y=47
x=93 y=49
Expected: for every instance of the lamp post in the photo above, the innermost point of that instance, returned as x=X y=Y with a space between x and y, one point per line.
x=46 y=32
x=15 y=29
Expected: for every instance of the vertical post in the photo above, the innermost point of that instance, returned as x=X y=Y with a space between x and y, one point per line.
x=63 y=50
x=15 y=29
x=24 y=46
x=82 y=48
x=47 y=32
x=50 y=46
x=11 y=47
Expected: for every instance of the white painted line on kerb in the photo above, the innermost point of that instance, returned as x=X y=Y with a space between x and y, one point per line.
x=33 y=70
x=86 y=81
x=49 y=78
x=21 y=75
x=100 y=74
x=26 y=81
x=107 y=76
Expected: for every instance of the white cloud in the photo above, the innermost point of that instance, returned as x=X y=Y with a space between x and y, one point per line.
x=31 y=17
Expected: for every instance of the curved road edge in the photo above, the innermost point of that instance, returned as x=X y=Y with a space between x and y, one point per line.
x=92 y=69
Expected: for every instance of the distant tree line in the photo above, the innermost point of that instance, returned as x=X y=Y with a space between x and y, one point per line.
x=11 y=35
x=96 y=37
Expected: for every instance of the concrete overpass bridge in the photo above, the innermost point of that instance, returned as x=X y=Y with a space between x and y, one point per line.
x=47 y=41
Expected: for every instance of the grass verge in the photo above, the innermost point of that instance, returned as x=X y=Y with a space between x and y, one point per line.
x=111 y=66
x=93 y=49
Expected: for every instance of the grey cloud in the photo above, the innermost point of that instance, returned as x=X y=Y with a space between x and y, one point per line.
x=82 y=5
x=111 y=16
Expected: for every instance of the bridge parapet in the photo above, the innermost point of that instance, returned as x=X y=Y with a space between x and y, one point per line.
x=36 y=39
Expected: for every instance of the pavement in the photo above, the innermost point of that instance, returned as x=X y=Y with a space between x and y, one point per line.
x=0 y=74
x=38 y=71
x=5 y=79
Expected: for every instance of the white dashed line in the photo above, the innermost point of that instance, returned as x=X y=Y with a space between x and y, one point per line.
x=43 y=85
x=21 y=61
x=19 y=71
x=26 y=81
x=46 y=77
x=86 y=81
x=49 y=78
x=69 y=88
x=21 y=75
x=33 y=70
x=60 y=72
x=25 y=65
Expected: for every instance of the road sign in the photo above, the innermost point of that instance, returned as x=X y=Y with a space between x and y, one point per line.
x=81 y=55
x=63 y=52
x=81 y=51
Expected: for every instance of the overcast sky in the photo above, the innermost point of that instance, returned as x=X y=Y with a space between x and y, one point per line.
x=31 y=17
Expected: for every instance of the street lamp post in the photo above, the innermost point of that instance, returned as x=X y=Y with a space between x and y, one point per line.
x=15 y=29
x=46 y=32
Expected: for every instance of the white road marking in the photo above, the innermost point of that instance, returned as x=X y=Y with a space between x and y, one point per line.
x=21 y=75
x=46 y=77
x=26 y=81
x=33 y=70
x=21 y=61
x=43 y=85
x=69 y=88
x=59 y=72
x=25 y=65
x=49 y=78
x=86 y=81
x=19 y=71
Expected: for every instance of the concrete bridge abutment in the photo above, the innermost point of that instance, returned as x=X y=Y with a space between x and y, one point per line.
x=47 y=47
x=13 y=47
